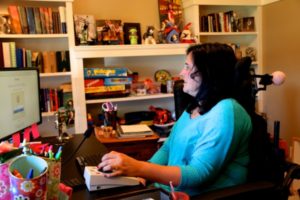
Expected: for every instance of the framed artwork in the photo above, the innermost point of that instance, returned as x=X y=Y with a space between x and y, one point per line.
x=85 y=30
x=132 y=33
x=247 y=24
x=109 y=32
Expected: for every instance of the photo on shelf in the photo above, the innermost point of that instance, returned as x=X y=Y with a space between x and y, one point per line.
x=247 y=24
x=132 y=33
x=85 y=29
x=109 y=32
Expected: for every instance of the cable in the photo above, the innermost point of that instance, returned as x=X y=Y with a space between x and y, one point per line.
x=86 y=135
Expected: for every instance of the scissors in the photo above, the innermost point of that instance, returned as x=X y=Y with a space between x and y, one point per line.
x=108 y=106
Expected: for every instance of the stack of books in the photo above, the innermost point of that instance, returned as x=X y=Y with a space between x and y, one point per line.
x=136 y=130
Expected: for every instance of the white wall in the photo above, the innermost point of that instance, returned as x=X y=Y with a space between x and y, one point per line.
x=281 y=44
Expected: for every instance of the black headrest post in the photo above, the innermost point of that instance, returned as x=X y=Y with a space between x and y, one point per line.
x=276 y=134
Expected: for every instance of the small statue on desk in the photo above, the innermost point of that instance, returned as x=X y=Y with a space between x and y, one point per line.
x=149 y=36
x=64 y=118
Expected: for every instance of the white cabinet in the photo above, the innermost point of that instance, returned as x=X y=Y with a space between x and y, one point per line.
x=145 y=59
x=44 y=42
x=195 y=9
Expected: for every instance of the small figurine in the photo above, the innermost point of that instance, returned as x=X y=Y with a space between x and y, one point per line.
x=186 y=35
x=149 y=36
x=133 y=36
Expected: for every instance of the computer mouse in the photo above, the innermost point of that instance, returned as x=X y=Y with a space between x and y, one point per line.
x=105 y=171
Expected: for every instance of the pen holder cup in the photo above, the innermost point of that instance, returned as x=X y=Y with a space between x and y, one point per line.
x=179 y=196
x=110 y=119
x=4 y=180
x=28 y=188
x=54 y=173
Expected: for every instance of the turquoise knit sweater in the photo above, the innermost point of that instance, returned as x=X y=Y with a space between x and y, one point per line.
x=211 y=149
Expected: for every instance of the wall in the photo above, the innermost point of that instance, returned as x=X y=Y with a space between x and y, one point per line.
x=281 y=51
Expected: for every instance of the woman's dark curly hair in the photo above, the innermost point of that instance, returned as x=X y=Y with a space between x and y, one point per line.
x=215 y=63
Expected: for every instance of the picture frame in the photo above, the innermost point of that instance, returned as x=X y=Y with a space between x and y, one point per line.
x=109 y=32
x=132 y=33
x=85 y=30
x=247 y=24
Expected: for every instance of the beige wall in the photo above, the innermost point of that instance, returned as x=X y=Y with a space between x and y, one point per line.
x=281 y=51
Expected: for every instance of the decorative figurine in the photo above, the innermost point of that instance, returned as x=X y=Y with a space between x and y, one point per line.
x=133 y=35
x=149 y=36
x=186 y=35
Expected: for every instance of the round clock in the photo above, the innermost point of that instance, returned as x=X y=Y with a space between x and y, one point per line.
x=162 y=76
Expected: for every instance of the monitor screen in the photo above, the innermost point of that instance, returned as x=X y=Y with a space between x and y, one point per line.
x=19 y=101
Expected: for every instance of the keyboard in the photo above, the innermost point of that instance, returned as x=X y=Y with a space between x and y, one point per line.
x=87 y=160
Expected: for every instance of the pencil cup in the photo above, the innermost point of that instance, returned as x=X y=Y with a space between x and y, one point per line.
x=4 y=181
x=110 y=119
x=28 y=177
x=54 y=173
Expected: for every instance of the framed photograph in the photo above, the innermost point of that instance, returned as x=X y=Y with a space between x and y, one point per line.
x=247 y=24
x=132 y=33
x=109 y=32
x=85 y=30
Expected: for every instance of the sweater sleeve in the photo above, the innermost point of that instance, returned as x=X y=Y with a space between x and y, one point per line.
x=162 y=155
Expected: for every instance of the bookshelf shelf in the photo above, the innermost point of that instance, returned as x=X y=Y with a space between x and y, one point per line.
x=130 y=98
x=56 y=74
x=227 y=33
x=128 y=50
x=33 y=36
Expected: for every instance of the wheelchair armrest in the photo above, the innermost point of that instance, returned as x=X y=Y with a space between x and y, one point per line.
x=250 y=190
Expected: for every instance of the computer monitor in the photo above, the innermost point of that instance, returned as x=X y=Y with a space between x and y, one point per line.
x=19 y=101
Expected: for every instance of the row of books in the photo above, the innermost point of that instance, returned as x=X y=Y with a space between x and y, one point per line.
x=53 y=98
x=219 y=22
x=37 y=20
x=45 y=61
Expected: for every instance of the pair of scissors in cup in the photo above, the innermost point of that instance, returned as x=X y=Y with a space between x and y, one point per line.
x=108 y=106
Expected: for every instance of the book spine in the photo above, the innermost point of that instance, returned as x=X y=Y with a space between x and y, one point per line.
x=62 y=15
x=28 y=58
x=23 y=19
x=1 y=56
x=13 y=57
x=6 y=54
x=37 y=20
x=15 y=19
x=30 y=20
x=19 y=55
x=93 y=82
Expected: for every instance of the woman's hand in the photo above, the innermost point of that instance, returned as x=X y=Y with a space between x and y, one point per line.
x=119 y=164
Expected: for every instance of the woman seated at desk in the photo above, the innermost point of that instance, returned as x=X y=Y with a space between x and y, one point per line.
x=208 y=146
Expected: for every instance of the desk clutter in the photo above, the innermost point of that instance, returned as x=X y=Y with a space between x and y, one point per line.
x=134 y=124
x=35 y=174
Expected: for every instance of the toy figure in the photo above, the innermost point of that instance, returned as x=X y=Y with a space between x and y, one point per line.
x=133 y=36
x=186 y=35
x=149 y=36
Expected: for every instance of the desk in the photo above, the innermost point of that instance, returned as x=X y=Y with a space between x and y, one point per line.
x=141 y=148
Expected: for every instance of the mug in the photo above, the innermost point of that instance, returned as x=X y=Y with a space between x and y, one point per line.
x=28 y=177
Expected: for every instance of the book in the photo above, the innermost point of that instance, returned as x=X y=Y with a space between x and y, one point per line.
x=19 y=55
x=30 y=20
x=37 y=20
x=135 y=130
x=6 y=54
x=23 y=19
x=46 y=62
x=13 y=57
x=1 y=56
x=28 y=58
x=62 y=17
x=52 y=61
x=15 y=19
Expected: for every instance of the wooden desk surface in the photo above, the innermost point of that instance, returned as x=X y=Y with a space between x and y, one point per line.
x=107 y=140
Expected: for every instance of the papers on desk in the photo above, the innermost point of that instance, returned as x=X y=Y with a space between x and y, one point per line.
x=136 y=130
